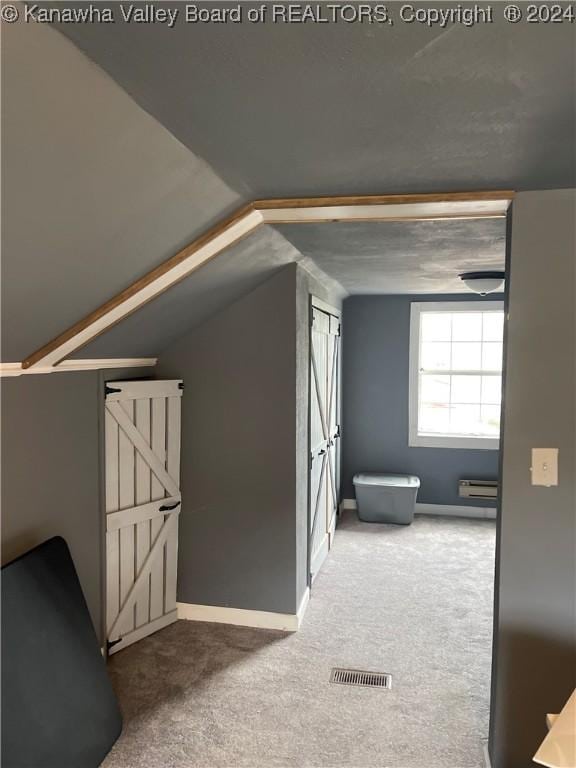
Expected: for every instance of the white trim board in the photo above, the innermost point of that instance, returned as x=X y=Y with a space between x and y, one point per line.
x=241 y=617
x=246 y=220
x=486 y=754
x=323 y=306
x=67 y=366
x=303 y=606
x=455 y=510
x=148 y=288
x=441 y=510
x=401 y=211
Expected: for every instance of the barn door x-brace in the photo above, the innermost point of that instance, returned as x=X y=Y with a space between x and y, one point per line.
x=142 y=458
x=324 y=432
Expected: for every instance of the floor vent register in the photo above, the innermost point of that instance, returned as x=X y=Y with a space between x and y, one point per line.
x=361 y=678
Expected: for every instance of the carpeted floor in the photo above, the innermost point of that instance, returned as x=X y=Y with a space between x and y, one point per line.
x=412 y=601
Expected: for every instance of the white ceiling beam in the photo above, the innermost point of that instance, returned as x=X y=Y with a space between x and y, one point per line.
x=147 y=288
x=16 y=369
x=425 y=207
x=387 y=212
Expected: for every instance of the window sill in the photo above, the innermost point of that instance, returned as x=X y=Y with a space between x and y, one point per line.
x=454 y=441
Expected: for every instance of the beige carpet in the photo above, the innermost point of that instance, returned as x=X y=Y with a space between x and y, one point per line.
x=412 y=601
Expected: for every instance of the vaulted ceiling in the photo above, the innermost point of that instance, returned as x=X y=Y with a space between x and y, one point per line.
x=234 y=273
x=96 y=193
x=106 y=176
x=290 y=109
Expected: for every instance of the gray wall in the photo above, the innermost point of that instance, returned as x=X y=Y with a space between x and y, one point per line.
x=535 y=659
x=51 y=469
x=237 y=543
x=375 y=418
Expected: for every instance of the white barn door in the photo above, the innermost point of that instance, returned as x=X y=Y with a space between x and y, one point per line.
x=142 y=460
x=324 y=431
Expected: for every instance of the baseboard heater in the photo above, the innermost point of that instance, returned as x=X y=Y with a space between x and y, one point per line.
x=478 y=489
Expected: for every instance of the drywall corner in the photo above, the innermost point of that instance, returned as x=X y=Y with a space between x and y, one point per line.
x=237 y=526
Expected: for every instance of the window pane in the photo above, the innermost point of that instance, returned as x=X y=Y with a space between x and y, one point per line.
x=491 y=420
x=493 y=329
x=434 y=389
x=455 y=348
x=435 y=355
x=436 y=326
x=491 y=389
x=467 y=326
x=465 y=389
x=492 y=356
x=465 y=419
x=434 y=418
x=466 y=356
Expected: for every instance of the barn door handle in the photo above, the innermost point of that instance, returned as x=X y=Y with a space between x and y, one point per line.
x=168 y=507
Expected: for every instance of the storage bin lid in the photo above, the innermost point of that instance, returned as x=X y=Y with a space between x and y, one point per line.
x=378 y=478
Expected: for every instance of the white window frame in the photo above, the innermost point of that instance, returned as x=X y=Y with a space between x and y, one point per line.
x=415 y=439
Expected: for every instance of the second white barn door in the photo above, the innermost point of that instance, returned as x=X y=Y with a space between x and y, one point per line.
x=142 y=460
x=324 y=431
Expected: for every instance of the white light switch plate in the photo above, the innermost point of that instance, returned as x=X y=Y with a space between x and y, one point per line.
x=544 y=466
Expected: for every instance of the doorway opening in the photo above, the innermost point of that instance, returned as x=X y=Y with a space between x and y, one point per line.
x=419 y=386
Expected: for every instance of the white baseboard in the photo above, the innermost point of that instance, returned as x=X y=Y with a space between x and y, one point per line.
x=288 y=622
x=303 y=606
x=444 y=510
x=454 y=510
x=487 y=762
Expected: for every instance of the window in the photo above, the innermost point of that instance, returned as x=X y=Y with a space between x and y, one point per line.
x=456 y=374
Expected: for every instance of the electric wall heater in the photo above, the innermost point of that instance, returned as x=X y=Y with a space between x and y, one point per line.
x=478 y=489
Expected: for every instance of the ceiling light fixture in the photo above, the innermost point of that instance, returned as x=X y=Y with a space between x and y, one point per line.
x=483 y=282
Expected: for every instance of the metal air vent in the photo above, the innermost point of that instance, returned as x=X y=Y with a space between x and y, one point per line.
x=361 y=678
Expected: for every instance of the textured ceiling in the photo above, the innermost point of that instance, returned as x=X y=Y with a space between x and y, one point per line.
x=218 y=283
x=96 y=191
x=339 y=108
x=401 y=257
x=393 y=257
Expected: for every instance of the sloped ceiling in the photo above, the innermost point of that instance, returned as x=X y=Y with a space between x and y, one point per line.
x=96 y=193
x=298 y=109
x=98 y=187
x=401 y=257
x=234 y=273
